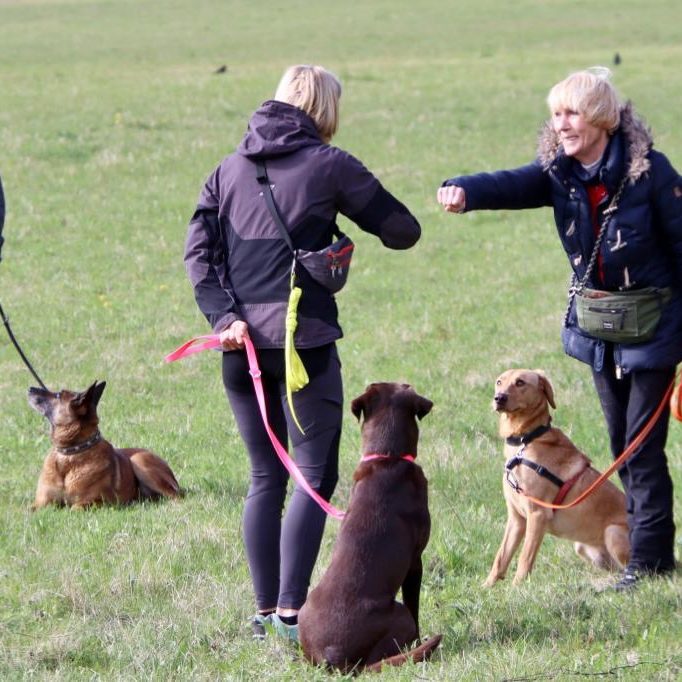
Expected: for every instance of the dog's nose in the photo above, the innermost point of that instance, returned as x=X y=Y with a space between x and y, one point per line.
x=500 y=398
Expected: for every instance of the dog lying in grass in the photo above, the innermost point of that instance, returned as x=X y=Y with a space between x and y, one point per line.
x=351 y=621
x=82 y=468
x=543 y=463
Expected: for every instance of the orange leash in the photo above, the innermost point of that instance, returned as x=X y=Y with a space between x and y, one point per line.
x=669 y=395
x=676 y=403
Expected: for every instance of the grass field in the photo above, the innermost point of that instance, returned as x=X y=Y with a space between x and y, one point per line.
x=111 y=116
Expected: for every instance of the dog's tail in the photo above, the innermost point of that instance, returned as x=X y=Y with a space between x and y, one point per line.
x=155 y=478
x=421 y=653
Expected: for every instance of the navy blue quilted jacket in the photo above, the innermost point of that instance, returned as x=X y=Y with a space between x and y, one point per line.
x=235 y=258
x=643 y=243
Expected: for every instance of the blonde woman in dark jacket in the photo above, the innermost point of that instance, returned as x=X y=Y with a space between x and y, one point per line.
x=239 y=266
x=595 y=151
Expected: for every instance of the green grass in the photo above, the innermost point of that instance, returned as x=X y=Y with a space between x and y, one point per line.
x=110 y=118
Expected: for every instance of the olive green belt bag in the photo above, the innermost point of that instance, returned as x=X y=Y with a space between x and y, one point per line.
x=621 y=316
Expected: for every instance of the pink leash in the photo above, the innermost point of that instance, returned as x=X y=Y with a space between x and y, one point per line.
x=193 y=346
x=201 y=343
x=283 y=455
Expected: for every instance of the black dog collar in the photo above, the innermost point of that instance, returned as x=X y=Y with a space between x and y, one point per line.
x=81 y=447
x=528 y=437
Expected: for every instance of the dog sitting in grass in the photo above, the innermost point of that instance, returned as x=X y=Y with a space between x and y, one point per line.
x=542 y=462
x=82 y=468
x=352 y=621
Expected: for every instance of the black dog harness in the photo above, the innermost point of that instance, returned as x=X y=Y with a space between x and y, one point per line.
x=513 y=462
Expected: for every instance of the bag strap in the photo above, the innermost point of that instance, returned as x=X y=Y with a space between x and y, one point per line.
x=606 y=217
x=262 y=177
x=578 y=285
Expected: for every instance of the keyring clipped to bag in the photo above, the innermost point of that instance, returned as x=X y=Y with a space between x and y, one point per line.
x=329 y=266
x=619 y=316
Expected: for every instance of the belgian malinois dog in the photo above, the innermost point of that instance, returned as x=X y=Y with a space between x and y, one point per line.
x=82 y=468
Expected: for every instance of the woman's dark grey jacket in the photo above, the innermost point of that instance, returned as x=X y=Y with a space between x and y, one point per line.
x=236 y=260
x=643 y=243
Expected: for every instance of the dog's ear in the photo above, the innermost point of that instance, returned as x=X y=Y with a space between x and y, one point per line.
x=97 y=393
x=361 y=405
x=422 y=406
x=91 y=396
x=358 y=406
x=546 y=387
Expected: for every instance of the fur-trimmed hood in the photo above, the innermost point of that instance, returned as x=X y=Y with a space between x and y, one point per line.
x=636 y=132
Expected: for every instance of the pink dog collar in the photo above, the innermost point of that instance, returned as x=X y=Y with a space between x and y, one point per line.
x=370 y=457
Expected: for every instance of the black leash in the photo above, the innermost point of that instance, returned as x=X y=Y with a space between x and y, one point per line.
x=13 y=339
x=5 y=319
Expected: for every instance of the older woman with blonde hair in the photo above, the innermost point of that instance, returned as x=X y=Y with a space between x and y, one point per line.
x=279 y=194
x=618 y=210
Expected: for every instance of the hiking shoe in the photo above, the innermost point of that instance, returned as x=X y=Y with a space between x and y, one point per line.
x=258 y=623
x=275 y=624
x=632 y=577
x=628 y=581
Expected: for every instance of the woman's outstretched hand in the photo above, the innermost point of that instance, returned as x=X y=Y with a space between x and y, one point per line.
x=451 y=198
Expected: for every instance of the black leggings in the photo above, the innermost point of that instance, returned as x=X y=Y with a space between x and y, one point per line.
x=281 y=551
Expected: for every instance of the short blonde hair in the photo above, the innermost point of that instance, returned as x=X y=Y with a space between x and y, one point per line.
x=591 y=94
x=316 y=91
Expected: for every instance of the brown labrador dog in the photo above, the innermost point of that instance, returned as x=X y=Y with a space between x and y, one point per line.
x=543 y=462
x=82 y=468
x=351 y=620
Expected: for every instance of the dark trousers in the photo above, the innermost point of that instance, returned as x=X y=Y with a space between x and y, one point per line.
x=628 y=404
x=282 y=550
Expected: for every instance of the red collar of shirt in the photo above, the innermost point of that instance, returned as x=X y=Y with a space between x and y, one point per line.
x=596 y=195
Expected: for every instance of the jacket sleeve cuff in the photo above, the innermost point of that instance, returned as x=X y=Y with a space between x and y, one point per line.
x=224 y=322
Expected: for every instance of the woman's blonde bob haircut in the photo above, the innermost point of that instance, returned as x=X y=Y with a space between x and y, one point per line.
x=591 y=94
x=316 y=91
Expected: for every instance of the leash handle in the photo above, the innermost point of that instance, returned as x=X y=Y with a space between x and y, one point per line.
x=283 y=455
x=625 y=455
x=195 y=345
x=201 y=343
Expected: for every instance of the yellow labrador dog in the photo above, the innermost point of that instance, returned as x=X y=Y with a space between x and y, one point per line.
x=542 y=462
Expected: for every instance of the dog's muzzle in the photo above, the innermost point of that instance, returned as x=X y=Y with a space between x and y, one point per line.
x=500 y=401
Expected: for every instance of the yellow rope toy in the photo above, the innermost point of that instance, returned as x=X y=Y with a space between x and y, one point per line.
x=296 y=375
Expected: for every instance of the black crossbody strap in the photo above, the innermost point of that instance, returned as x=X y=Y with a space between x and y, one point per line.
x=607 y=216
x=577 y=285
x=262 y=177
